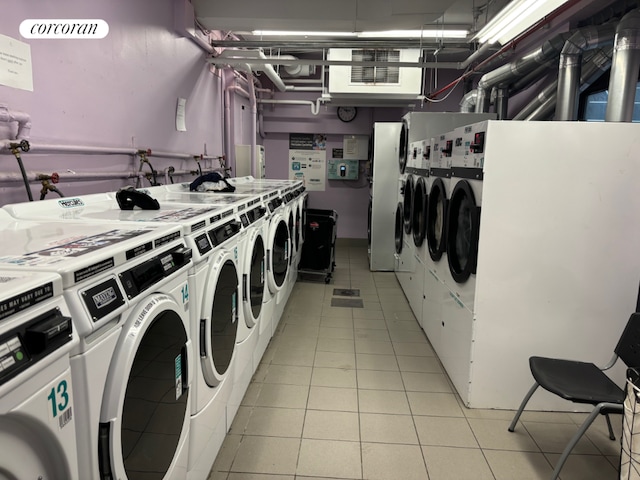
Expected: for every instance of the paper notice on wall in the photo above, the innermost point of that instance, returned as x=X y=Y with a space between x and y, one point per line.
x=308 y=160
x=181 y=125
x=15 y=64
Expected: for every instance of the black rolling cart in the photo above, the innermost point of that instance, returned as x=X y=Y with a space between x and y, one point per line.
x=319 y=248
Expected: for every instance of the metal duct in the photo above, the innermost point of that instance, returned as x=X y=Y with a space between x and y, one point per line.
x=571 y=62
x=468 y=102
x=502 y=102
x=595 y=64
x=506 y=74
x=624 y=69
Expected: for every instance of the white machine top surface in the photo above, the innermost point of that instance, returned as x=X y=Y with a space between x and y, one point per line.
x=76 y=250
x=104 y=207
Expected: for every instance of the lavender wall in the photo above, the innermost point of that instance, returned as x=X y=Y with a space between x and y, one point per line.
x=349 y=198
x=120 y=91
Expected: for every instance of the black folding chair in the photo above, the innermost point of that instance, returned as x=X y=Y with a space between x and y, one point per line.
x=582 y=382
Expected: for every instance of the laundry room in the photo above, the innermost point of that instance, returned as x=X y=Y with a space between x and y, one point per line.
x=299 y=240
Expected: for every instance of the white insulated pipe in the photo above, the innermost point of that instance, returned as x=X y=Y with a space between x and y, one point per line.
x=315 y=106
x=22 y=119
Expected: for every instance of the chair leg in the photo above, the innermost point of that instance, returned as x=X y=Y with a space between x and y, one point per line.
x=525 y=400
x=576 y=438
x=611 y=434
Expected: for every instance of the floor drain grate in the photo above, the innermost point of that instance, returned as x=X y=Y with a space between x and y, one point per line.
x=346 y=292
x=347 y=302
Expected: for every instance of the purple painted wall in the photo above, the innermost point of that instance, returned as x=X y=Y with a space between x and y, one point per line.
x=120 y=91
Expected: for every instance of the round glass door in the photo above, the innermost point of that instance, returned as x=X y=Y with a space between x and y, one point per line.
x=256 y=280
x=154 y=404
x=463 y=232
x=224 y=317
x=297 y=228
x=407 y=201
x=403 y=147
x=418 y=212
x=436 y=218
x=399 y=230
x=280 y=254
x=291 y=233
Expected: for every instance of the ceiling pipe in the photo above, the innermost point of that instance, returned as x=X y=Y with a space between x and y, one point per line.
x=571 y=62
x=315 y=107
x=254 y=58
x=502 y=102
x=595 y=64
x=259 y=62
x=624 y=69
x=506 y=74
x=468 y=102
x=532 y=77
x=509 y=46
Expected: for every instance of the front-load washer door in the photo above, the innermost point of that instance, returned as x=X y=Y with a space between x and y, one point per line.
x=292 y=241
x=144 y=422
x=463 y=228
x=278 y=255
x=399 y=229
x=418 y=212
x=253 y=280
x=407 y=201
x=298 y=224
x=403 y=147
x=219 y=320
x=436 y=220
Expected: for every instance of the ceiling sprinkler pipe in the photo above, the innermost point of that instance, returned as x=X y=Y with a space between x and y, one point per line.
x=624 y=69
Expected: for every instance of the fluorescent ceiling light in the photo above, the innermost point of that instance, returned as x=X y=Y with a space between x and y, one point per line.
x=285 y=33
x=415 y=34
x=383 y=34
x=515 y=18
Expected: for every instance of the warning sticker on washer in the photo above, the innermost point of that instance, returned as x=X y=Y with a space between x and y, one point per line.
x=76 y=247
x=178 y=371
x=176 y=215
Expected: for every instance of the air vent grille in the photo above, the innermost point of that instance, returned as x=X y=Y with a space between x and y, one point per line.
x=375 y=75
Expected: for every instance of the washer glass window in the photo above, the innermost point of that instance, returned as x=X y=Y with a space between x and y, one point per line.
x=399 y=229
x=462 y=235
x=418 y=212
x=436 y=220
x=407 y=200
x=224 y=317
x=404 y=147
x=152 y=416
x=256 y=277
x=280 y=253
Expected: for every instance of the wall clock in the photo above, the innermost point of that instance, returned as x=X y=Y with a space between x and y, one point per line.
x=346 y=114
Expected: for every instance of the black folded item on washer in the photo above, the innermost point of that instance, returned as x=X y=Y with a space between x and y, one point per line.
x=128 y=198
x=211 y=182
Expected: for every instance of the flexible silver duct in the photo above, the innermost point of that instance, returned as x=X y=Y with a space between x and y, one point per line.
x=624 y=69
x=506 y=74
x=570 y=65
x=595 y=64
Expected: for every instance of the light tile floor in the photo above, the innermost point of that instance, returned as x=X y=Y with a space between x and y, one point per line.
x=358 y=393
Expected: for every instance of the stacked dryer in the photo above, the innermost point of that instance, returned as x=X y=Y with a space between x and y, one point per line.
x=127 y=291
x=420 y=128
x=541 y=247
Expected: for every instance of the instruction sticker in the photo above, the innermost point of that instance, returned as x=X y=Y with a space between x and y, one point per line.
x=178 y=376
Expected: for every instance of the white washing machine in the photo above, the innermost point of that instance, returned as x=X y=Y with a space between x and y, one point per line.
x=387 y=148
x=127 y=290
x=37 y=395
x=213 y=233
x=278 y=252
